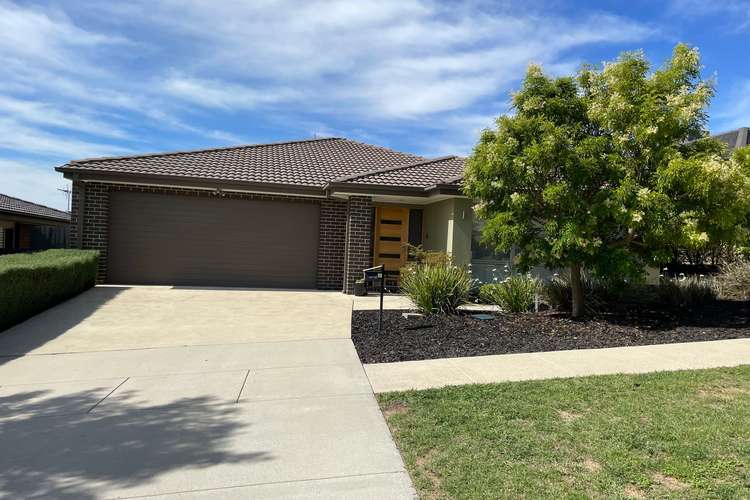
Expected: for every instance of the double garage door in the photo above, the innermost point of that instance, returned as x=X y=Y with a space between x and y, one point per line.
x=204 y=241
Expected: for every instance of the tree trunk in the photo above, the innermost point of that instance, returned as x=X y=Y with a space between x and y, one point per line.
x=576 y=286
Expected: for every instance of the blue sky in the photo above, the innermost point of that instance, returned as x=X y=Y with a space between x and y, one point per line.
x=92 y=78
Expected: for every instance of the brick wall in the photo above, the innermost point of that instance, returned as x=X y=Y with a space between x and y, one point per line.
x=358 y=249
x=95 y=196
x=331 y=244
x=94 y=232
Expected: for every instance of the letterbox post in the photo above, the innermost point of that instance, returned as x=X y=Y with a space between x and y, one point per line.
x=382 y=287
x=371 y=274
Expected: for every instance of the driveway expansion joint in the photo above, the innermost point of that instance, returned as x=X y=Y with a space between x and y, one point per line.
x=108 y=395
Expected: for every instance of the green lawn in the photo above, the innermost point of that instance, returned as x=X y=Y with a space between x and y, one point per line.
x=666 y=435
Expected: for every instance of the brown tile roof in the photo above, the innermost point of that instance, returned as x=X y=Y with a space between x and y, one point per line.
x=313 y=162
x=16 y=206
x=423 y=174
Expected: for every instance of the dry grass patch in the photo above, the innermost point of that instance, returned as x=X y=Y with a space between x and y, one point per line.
x=592 y=465
x=669 y=482
x=633 y=491
x=395 y=408
x=568 y=416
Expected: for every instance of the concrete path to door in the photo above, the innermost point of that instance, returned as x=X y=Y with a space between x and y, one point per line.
x=192 y=393
x=435 y=373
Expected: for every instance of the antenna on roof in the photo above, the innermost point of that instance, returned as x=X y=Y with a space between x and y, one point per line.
x=67 y=192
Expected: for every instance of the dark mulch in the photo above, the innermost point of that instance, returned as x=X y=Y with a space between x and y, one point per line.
x=436 y=336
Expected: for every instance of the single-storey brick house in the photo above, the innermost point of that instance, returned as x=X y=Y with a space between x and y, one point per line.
x=27 y=226
x=302 y=214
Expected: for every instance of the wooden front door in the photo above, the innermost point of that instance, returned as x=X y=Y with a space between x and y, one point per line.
x=391 y=239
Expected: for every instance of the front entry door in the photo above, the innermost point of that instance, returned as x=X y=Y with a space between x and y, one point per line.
x=391 y=239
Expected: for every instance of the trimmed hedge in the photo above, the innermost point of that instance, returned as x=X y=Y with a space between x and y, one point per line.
x=33 y=282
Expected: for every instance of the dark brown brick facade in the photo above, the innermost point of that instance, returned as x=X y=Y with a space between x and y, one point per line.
x=331 y=244
x=95 y=231
x=358 y=253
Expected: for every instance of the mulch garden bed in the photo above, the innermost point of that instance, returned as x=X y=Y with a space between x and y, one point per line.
x=439 y=336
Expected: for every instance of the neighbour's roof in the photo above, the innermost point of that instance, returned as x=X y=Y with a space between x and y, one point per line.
x=424 y=174
x=313 y=163
x=16 y=206
x=735 y=139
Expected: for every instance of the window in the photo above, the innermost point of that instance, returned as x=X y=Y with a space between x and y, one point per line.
x=486 y=263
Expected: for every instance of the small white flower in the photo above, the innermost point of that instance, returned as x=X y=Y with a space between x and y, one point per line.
x=494 y=269
x=494 y=279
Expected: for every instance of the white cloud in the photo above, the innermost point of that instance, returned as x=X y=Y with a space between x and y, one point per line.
x=25 y=139
x=36 y=182
x=47 y=37
x=374 y=59
x=218 y=94
x=72 y=118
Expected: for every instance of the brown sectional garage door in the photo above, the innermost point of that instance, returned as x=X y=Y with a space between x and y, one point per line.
x=201 y=241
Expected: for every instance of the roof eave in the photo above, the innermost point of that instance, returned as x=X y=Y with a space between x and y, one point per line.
x=374 y=189
x=26 y=218
x=191 y=182
x=381 y=189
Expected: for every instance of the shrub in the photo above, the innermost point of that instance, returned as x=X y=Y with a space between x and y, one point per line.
x=734 y=280
x=33 y=282
x=436 y=287
x=687 y=293
x=514 y=294
x=558 y=294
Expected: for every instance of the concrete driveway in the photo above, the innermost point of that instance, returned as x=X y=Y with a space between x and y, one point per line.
x=192 y=393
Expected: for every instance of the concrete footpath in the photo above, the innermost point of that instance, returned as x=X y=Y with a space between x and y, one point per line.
x=434 y=373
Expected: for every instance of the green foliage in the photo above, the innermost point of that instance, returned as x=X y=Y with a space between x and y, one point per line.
x=734 y=280
x=514 y=294
x=687 y=293
x=31 y=283
x=422 y=256
x=436 y=287
x=599 y=170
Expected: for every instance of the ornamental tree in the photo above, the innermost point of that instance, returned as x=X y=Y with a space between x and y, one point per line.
x=608 y=170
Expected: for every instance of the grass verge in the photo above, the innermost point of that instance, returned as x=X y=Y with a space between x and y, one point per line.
x=664 y=435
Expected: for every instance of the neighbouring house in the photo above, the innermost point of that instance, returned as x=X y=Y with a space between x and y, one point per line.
x=735 y=139
x=27 y=226
x=301 y=214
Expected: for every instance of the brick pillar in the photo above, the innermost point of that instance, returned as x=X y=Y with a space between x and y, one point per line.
x=331 y=242
x=358 y=248
x=95 y=227
x=75 y=215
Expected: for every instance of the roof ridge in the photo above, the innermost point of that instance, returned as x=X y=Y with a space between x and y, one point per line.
x=376 y=146
x=397 y=167
x=206 y=150
x=34 y=203
x=451 y=180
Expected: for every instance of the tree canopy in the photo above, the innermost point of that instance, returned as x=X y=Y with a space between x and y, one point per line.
x=609 y=170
